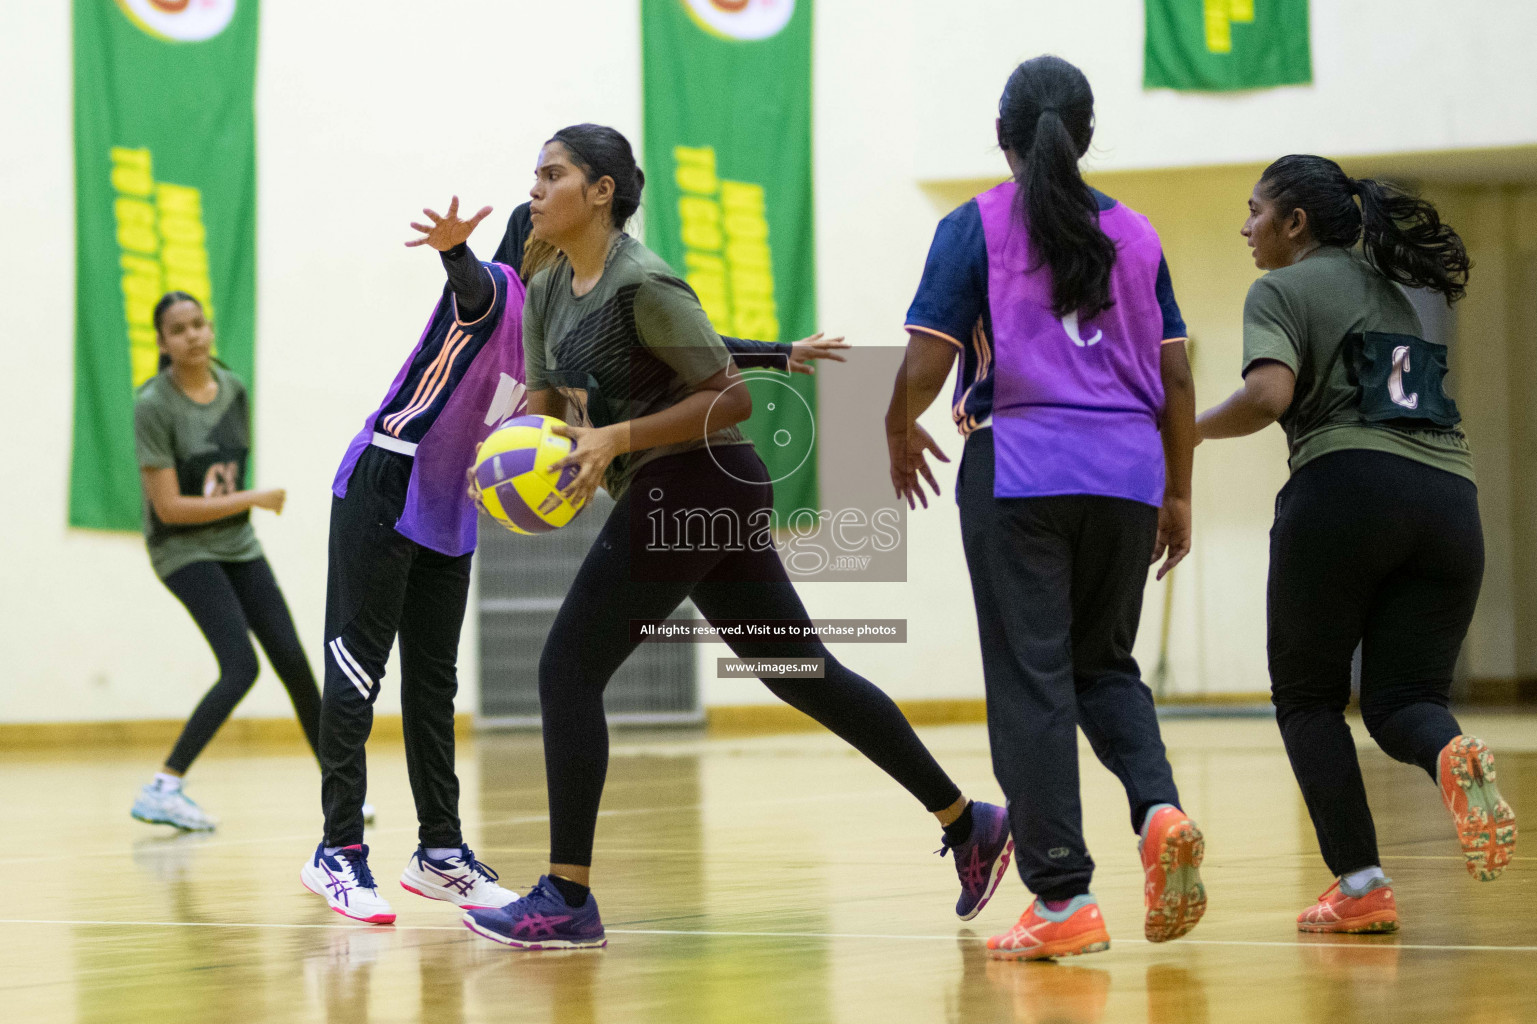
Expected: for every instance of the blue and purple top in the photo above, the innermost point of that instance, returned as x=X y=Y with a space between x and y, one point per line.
x=472 y=383
x=1074 y=406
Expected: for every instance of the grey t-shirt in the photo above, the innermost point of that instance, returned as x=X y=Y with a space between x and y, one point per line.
x=636 y=344
x=207 y=446
x=1299 y=316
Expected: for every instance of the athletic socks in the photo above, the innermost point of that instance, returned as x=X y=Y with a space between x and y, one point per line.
x=441 y=852
x=167 y=783
x=1056 y=906
x=1147 y=819
x=574 y=893
x=959 y=830
x=1358 y=882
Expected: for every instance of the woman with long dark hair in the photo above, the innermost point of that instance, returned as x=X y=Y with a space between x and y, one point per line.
x=1077 y=404
x=618 y=346
x=192 y=428
x=1377 y=540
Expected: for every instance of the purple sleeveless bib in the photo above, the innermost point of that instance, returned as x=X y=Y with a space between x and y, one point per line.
x=439 y=513
x=1075 y=405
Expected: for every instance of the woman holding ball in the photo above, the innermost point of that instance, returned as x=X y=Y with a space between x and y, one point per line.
x=403 y=532
x=618 y=346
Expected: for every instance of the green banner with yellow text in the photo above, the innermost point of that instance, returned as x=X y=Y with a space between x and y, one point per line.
x=165 y=199
x=728 y=194
x=1225 y=45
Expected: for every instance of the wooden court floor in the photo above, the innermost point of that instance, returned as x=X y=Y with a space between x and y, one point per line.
x=773 y=879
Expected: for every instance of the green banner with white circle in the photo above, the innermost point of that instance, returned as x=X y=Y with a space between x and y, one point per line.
x=729 y=199
x=165 y=200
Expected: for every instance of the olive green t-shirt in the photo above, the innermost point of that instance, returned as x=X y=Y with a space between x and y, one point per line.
x=1299 y=316
x=207 y=446
x=636 y=344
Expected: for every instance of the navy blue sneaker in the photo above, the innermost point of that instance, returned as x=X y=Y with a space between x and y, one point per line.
x=983 y=859
x=541 y=920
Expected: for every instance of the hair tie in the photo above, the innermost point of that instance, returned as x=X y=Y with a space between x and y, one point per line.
x=1352 y=186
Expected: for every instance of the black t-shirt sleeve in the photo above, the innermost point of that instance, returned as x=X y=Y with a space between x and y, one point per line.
x=773 y=355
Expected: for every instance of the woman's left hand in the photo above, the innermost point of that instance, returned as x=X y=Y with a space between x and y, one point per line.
x=593 y=448
x=815 y=347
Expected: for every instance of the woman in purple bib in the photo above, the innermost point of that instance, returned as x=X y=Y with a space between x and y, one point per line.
x=1078 y=408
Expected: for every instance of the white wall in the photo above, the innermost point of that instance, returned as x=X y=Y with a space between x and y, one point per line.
x=365 y=117
x=1389 y=76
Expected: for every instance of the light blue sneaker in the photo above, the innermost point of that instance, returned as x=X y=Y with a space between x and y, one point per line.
x=173 y=807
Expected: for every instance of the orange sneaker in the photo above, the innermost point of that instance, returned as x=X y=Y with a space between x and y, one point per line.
x=1486 y=826
x=1041 y=934
x=1342 y=911
x=1172 y=849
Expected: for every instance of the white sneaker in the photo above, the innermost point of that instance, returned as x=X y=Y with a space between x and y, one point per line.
x=347 y=885
x=461 y=880
x=170 y=807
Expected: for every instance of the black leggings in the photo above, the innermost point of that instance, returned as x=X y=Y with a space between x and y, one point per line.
x=227 y=600
x=627 y=578
x=1373 y=549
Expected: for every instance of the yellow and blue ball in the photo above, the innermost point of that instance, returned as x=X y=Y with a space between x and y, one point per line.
x=514 y=478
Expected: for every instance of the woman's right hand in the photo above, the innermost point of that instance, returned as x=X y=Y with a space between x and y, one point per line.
x=447 y=231
x=1173 y=542
x=909 y=449
x=271 y=499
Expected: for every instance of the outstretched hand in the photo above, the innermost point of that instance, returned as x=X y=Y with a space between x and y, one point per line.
x=803 y=352
x=447 y=231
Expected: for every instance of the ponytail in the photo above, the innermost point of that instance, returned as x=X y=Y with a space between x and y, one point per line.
x=1405 y=241
x=537 y=254
x=1401 y=235
x=1046 y=119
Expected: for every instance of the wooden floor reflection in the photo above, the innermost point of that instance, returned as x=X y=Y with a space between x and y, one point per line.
x=775 y=879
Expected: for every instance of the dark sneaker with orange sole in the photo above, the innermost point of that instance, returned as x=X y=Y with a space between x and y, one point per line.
x=1347 y=911
x=1042 y=934
x=1486 y=825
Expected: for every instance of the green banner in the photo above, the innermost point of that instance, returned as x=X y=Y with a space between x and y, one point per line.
x=728 y=194
x=1225 y=45
x=165 y=199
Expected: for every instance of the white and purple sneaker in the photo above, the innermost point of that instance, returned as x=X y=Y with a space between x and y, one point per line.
x=346 y=883
x=983 y=859
x=461 y=880
x=541 y=920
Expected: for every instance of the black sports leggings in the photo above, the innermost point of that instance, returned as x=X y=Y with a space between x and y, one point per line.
x=627 y=577
x=1380 y=550
x=227 y=600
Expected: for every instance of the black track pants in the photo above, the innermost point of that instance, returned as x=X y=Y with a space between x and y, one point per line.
x=380 y=584
x=1373 y=549
x=1058 y=586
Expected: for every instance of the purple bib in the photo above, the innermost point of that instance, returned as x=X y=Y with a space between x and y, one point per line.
x=439 y=513
x=1075 y=404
